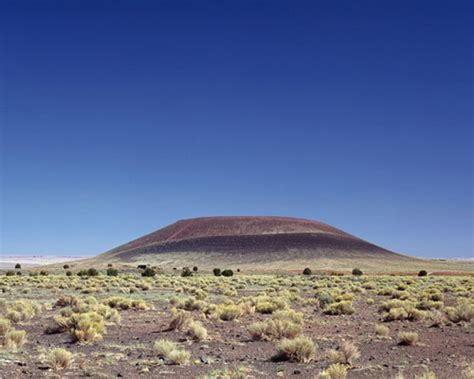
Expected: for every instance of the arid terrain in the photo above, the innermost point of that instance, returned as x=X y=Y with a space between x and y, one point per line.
x=264 y=244
x=140 y=323
x=239 y=297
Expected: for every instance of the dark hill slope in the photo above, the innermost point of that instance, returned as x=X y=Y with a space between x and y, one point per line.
x=244 y=241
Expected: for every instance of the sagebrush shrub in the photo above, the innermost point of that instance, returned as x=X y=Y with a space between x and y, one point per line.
x=59 y=358
x=299 y=349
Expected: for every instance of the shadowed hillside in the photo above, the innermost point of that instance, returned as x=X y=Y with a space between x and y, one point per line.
x=278 y=242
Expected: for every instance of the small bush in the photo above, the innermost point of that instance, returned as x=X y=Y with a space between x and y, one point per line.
x=300 y=349
x=4 y=326
x=357 y=272
x=381 y=330
x=195 y=268
x=92 y=272
x=229 y=312
x=422 y=273
x=197 y=331
x=217 y=272
x=186 y=272
x=148 y=272
x=66 y=267
x=164 y=347
x=87 y=327
x=18 y=266
x=112 y=271
x=307 y=271
x=68 y=273
x=227 y=272
x=10 y=273
x=407 y=338
x=181 y=320
x=347 y=353
x=340 y=308
x=14 y=339
x=179 y=357
x=335 y=371
x=274 y=329
x=169 y=351
x=43 y=273
x=463 y=311
x=59 y=358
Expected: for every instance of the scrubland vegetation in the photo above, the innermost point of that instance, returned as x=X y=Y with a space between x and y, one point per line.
x=93 y=323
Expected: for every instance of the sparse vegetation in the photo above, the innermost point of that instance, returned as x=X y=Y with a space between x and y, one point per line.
x=148 y=272
x=407 y=338
x=256 y=315
x=227 y=272
x=357 y=272
x=59 y=358
x=169 y=351
x=299 y=349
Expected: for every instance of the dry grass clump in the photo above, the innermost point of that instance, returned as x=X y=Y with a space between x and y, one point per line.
x=14 y=339
x=123 y=303
x=85 y=319
x=335 y=371
x=400 y=310
x=299 y=349
x=268 y=304
x=463 y=311
x=59 y=358
x=347 y=353
x=197 y=331
x=171 y=353
x=407 y=338
x=381 y=330
x=180 y=320
x=468 y=373
x=22 y=310
x=343 y=307
x=426 y=375
x=5 y=325
x=229 y=312
x=274 y=329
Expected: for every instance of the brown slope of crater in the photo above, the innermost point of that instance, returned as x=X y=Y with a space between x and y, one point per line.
x=250 y=239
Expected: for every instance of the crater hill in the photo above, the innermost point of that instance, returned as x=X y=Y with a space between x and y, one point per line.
x=254 y=243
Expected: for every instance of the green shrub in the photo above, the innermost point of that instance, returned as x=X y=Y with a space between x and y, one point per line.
x=227 y=272
x=112 y=272
x=307 y=271
x=357 y=272
x=195 y=268
x=148 y=272
x=10 y=273
x=18 y=266
x=422 y=273
x=186 y=272
x=217 y=272
x=92 y=272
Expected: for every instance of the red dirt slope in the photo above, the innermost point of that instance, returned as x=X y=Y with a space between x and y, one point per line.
x=271 y=238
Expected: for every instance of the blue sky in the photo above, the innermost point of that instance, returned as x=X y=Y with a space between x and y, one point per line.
x=120 y=117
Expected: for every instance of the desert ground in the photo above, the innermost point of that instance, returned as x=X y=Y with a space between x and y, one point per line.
x=136 y=323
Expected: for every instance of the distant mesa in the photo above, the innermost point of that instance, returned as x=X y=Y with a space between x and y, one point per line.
x=247 y=240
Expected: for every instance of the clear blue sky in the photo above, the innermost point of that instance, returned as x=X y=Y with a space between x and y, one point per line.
x=119 y=117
